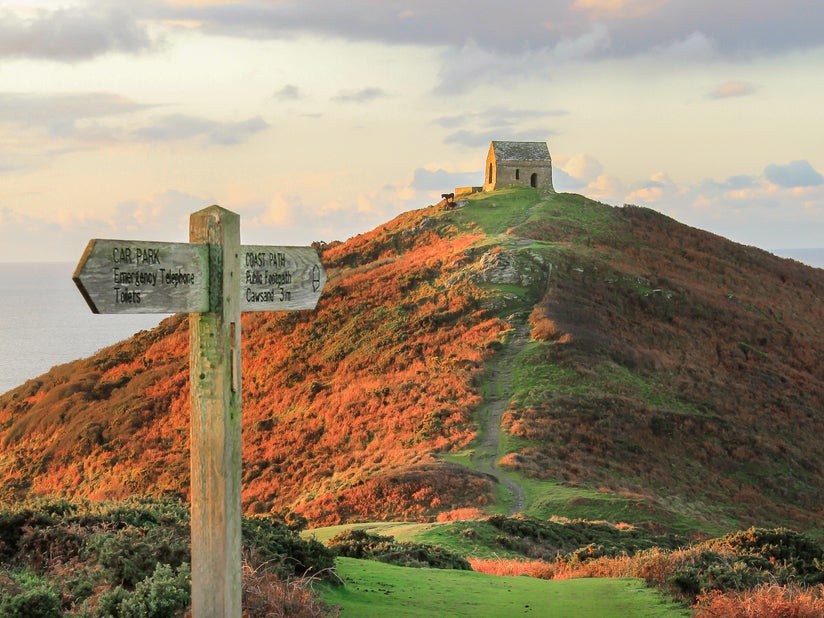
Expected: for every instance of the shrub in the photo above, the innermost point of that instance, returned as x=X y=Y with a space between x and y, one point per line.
x=533 y=568
x=364 y=545
x=543 y=327
x=163 y=594
x=461 y=514
x=28 y=596
x=265 y=594
x=278 y=545
x=131 y=554
x=748 y=559
x=787 y=554
x=125 y=559
x=580 y=540
x=767 y=601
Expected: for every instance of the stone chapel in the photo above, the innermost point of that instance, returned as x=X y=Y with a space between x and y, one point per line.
x=511 y=164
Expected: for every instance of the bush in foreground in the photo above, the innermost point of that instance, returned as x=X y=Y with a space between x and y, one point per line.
x=755 y=573
x=366 y=546
x=266 y=594
x=768 y=601
x=131 y=559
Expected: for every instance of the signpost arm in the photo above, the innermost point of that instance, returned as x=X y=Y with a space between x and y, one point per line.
x=214 y=355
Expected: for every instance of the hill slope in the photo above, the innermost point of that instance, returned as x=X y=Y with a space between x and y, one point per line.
x=672 y=376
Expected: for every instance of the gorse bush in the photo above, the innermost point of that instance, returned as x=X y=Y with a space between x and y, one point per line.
x=125 y=559
x=749 y=558
x=582 y=540
x=130 y=555
x=166 y=593
x=26 y=595
x=277 y=544
x=364 y=545
x=766 y=601
x=754 y=573
x=790 y=554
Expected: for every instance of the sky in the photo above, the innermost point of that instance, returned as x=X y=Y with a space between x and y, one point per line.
x=323 y=119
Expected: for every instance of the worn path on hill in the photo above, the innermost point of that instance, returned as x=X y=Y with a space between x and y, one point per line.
x=486 y=453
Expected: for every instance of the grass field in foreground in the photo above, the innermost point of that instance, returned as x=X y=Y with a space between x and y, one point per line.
x=376 y=589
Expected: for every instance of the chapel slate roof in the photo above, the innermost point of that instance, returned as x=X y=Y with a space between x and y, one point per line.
x=520 y=151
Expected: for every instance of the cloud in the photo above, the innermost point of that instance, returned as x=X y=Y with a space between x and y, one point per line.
x=280 y=211
x=497 y=117
x=606 y=189
x=695 y=47
x=293 y=220
x=289 y=92
x=164 y=216
x=7 y=166
x=466 y=66
x=655 y=189
x=199 y=2
x=442 y=181
x=62 y=234
x=524 y=28
x=577 y=172
x=60 y=114
x=746 y=208
x=564 y=182
x=27 y=238
x=585 y=45
x=583 y=167
x=739 y=182
x=475 y=129
x=752 y=210
x=80 y=121
x=732 y=89
x=620 y=9
x=793 y=175
x=74 y=33
x=364 y=95
x=475 y=139
x=734 y=186
x=480 y=39
x=181 y=126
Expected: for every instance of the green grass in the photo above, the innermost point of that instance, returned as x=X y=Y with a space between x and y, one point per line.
x=531 y=370
x=498 y=211
x=377 y=589
x=480 y=544
x=402 y=531
x=546 y=499
x=574 y=215
x=459 y=457
x=533 y=375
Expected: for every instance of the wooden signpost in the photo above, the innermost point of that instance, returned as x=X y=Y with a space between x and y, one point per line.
x=213 y=278
x=128 y=276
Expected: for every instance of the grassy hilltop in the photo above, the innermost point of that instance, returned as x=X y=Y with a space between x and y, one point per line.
x=652 y=373
x=626 y=383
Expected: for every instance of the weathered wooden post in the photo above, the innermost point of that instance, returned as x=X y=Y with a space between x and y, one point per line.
x=214 y=369
x=213 y=278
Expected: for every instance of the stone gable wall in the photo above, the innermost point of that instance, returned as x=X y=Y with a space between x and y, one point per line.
x=511 y=172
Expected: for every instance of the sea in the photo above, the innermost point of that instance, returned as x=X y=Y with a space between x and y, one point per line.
x=45 y=322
